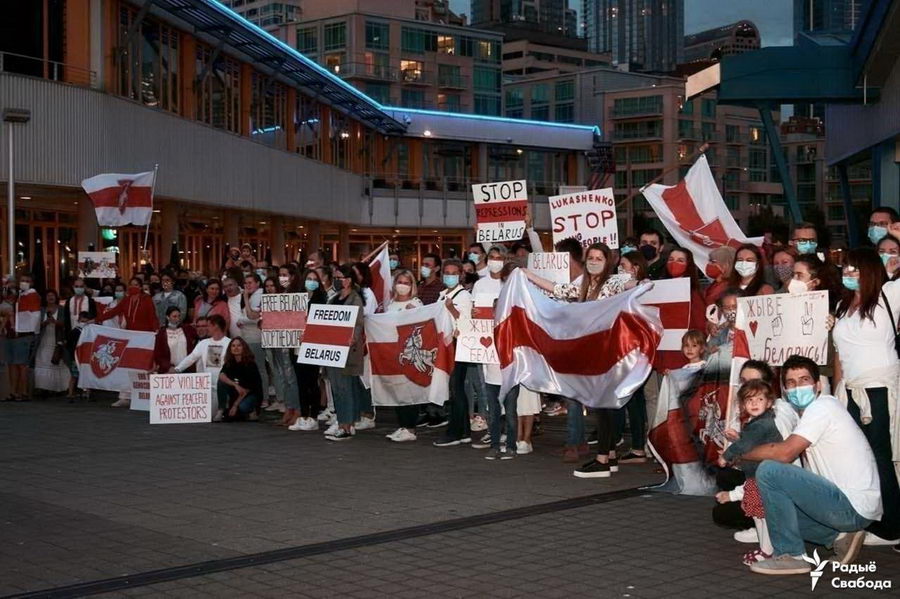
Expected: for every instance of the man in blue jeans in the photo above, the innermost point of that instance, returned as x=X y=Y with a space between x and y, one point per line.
x=834 y=496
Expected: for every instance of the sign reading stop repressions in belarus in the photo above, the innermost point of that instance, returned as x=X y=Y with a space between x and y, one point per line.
x=500 y=210
x=588 y=216
x=329 y=331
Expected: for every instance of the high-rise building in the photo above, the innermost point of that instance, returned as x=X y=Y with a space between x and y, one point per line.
x=714 y=44
x=826 y=16
x=267 y=14
x=547 y=16
x=642 y=35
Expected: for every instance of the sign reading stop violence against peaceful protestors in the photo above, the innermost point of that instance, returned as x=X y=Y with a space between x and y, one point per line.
x=500 y=210
x=782 y=325
x=329 y=330
x=283 y=319
x=181 y=398
x=588 y=216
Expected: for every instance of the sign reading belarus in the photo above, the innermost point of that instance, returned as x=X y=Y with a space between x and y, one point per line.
x=553 y=266
x=476 y=336
x=96 y=265
x=783 y=325
x=500 y=210
x=181 y=398
x=283 y=319
x=329 y=330
x=588 y=216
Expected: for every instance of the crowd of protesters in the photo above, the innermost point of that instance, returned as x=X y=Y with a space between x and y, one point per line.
x=815 y=458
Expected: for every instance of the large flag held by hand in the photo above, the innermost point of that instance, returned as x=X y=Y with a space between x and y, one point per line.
x=121 y=199
x=596 y=352
x=411 y=353
x=380 y=266
x=695 y=215
x=108 y=358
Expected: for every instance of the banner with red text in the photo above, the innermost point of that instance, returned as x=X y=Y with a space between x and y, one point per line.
x=283 y=319
x=588 y=216
x=500 y=210
x=181 y=398
x=328 y=335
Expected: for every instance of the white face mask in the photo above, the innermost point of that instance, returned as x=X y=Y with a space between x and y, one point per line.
x=403 y=289
x=495 y=266
x=24 y=286
x=745 y=268
x=284 y=281
x=796 y=286
x=594 y=268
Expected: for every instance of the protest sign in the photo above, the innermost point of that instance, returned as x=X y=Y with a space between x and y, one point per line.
x=783 y=325
x=96 y=265
x=588 y=216
x=475 y=342
x=329 y=330
x=181 y=398
x=553 y=266
x=283 y=319
x=140 y=391
x=500 y=210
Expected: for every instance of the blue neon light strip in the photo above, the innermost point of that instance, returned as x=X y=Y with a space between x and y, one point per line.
x=499 y=119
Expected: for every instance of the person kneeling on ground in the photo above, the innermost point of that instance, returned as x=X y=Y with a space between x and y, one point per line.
x=240 y=386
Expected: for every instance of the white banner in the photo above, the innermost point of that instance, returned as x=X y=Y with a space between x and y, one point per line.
x=588 y=216
x=475 y=342
x=329 y=331
x=181 y=398
x=783 y=325
x=553 y=266
x=500 y=210
x=283 y=319
x=97 y=265
x=140 y=391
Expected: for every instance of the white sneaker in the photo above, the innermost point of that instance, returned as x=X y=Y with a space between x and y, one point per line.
x=309 y=424
x=876 y=541
x=523 y=447
x=393 y=434
x=746 y=536
x=478 y=424
x=365 y=423
x=325 y=415
x=270 y=391
x=297 y=426
x=275 y=406
x=403 y=436
x=219 y=416
x=332 y=430
x=122 y=403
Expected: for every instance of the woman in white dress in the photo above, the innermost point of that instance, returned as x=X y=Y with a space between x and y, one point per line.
x=50 y=371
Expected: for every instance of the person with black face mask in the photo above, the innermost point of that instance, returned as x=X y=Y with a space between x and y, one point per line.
x=650 y=246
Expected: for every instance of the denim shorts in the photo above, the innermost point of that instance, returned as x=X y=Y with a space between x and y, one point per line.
x=18 y=350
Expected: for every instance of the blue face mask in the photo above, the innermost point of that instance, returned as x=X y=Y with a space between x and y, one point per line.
x=394 y=264
x=801 y=397
x=851 y=283
x=311 y=284
x=885 y=258
x=474 y=257
x=807 y=247
x=627 y=249
x=451 y=281
x=877 y=233
x=426 y=272
x=80 y=290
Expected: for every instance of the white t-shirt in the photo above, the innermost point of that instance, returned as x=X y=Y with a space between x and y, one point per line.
x=404 y=305
x=865 y=345
x=489 y=286
x=234 y=312
x=209 y=355
x=840 y=453
x=249 y=328
x=371 y=301
x=462 y=301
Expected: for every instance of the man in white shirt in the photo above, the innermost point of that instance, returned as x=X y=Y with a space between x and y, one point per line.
x=459 y=304
x=209 y=354
x=235 y=308
x=837 y=493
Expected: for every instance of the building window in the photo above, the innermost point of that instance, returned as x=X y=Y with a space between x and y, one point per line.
x=708 y=109
x=515 y=113
x=412 y=71
x=640 y=105
x=687 y=107
x=564 y=113
x=307 y=40
x=708 y=130
x=149 y=71
x=380 y=92
x=540 y=94
x=514 y=97
x=638 y=129
x=219 y=93
x=449 y=102
x=377 y=36
x=732 y=133
x=334 y=62
x=413 y=98
x=540 y=113
x=268 y=109
x=686 y=129
x=487 y=79
x=565 y=90
x=487 y=105
x=488 y=51
x=757 y=136
x=417 y=41
x=448 y=75
x=378 y=64
x=446 y=44
x=335 y=36
x=758 y=159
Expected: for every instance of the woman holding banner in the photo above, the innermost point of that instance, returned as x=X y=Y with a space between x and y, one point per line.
x=867 y=373
x=287 y=391
x=403 y=297
x=310 y=392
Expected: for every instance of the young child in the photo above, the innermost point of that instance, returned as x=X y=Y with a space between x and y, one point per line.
x=693 y=347
x=756 y=399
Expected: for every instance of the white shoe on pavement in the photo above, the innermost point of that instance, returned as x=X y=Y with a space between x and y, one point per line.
x=402 y=435
x=219 y=416
x=331 y=430
x=122 y=403
x=325 y=415
x=275 y=406
x=523 y=447
x=876 y=541
x=746 y=536
x=365 y=423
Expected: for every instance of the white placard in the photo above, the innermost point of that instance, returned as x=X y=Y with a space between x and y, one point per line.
x=181 y=398
x=588 y=216
x=283 y=317
x=475 y=342
x=500 y=210
x=329 y=330
x=553 y=266
x=97 y=265
x=140 y=391
x=783 y=325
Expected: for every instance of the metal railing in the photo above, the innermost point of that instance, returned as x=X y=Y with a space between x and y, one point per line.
x=400 y=182
x=368 y=71
x=36 y=66
x=453 y=81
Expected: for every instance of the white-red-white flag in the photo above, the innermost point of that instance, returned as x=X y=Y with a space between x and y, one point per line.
x=673 y=299
x=695 y=215
x=28 y=312
x=596 y=352
x=411 y=353
x=380 y=266
x=108 y=358
x=121 y=199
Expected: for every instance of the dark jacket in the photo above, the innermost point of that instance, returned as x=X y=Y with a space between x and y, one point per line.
x=67 y=316
x=756 y=432
x=161 y=355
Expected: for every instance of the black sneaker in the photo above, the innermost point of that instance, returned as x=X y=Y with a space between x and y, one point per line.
x=424 y=420
x=613 y=464
x=592 y=439
x=592 y=469
x=496 y=454
x=341 y=435
x=437 y=423
x=446 y=442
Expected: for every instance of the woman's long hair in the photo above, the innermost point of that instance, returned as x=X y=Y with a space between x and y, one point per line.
x=319 y=296
x=246 y=355
x=602 y=277
x=827 y=276
x=691 y=271
x=758 y=280
x=871 y=277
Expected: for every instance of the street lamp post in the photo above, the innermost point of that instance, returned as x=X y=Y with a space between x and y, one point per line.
x=12 y=116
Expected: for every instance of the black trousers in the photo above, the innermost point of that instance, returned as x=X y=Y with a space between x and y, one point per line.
x=310 y=394
x=606 y=440
x=730 y=515
x=408 y=416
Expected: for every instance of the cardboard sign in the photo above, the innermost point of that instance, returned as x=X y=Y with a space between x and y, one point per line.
x=500 y=210
x=475 y=342
x=140 y=391
x=588 y=216
x=553 y=266
x=783 y=325
x=181 y=398
x=97 y=265
x=326 y=340
x=283 y=319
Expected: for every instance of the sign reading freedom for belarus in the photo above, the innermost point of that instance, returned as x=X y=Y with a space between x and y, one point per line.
x=553 y=266
x=588 y=216
x=326 y=340
x=782 y=325
x=283 y=319
x=181 y=398
x=500 y=210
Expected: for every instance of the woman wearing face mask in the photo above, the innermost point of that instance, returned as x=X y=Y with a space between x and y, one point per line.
x=118 y=295
x=783 y=267
x=212 y=301
x=867 y=372
x=748 y=275
x=470 y=276
x=289 y=280
x=174 y=342
x=310 y=392
x=889 y=252
x=403 y=297
x=50 y=371
x=634 y=265
x=136 y=307
x=281 y=361
x=811 y=274
x=680 y=264
x=168 y=297
x=718 y=268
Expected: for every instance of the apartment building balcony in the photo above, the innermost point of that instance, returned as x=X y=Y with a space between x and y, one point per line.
x=453 y=82
x=371 y=72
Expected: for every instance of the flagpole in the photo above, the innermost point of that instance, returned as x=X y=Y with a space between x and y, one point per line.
x=375 y=251
x=152 y=193
x=659 y=178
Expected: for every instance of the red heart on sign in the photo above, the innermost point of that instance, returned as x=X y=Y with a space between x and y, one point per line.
x=753 y=326
x=486 y=341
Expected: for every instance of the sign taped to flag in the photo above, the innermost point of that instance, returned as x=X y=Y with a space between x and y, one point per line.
x=283 y=319
x=329 y=331
x=500 y=210
x=782 y=325
x=475 y=342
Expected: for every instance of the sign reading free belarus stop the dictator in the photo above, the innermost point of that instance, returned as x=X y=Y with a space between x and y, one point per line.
x=328 y=335
x=500 y=210
x=588 y=216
